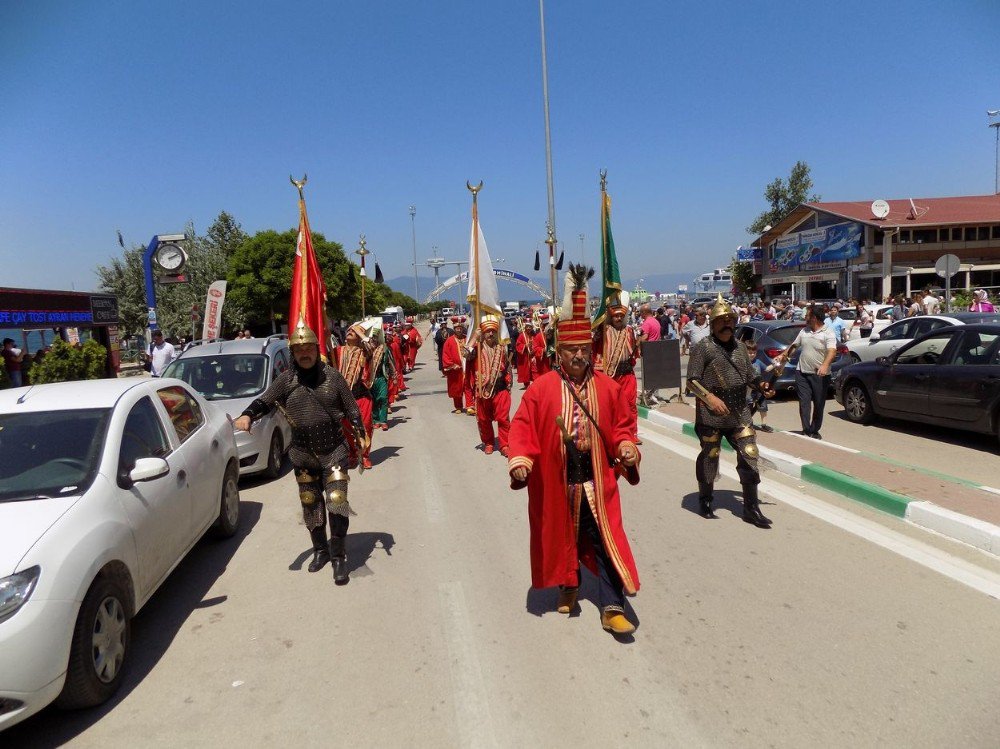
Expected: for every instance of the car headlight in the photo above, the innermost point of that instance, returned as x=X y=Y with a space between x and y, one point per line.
x=16 y=589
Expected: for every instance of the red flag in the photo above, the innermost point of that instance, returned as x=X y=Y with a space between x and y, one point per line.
x=308 y=290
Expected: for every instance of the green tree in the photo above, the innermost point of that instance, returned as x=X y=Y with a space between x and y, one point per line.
x=65 y=362
x=784 y=196
x=745 y=281
x=260 y=276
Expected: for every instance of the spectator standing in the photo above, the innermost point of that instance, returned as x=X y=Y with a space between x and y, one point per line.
x=160 y=354
x=755 y=398
x=837 y=324
x=899 y=309
x=812 y=376
x=649 y=330
x=915 y=308
x=930 y=303
x=12 y=359
x=863 y=321
x=697 y=329
x=981 y=303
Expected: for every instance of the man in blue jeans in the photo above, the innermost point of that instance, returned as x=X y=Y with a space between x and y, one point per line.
x=818 y=346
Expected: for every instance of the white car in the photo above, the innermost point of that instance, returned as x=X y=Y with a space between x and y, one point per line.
x=104 y=487
x=896 y=335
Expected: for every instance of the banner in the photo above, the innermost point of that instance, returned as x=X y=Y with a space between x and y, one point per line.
x=213 y=310
x=830 y=244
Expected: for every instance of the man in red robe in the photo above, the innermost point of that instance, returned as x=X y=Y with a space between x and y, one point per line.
x=523 y=349
x=491 y=365
x=413 y=341
x=539 y=348
x=392 y=384
x=615 y=354
x=399 y=357
x=453 y=363
x=353 y=360
x=569 y=441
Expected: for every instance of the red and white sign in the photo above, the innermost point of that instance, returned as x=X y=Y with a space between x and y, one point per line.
x=213 y=310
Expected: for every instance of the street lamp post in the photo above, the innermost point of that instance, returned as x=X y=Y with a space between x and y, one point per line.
x=996 y=151
x=413 y=228
x=582 y=250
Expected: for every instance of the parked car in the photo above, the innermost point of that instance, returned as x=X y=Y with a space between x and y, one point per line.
x=229 y=375
x=898 y=334
x=950 y=377
x=105 y=485
x=773 y=337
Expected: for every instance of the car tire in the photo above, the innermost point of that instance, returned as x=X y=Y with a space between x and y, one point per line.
x=855 y=359
x=229 y=504
x=857 y=403
x=275 y=455
x=100 y=646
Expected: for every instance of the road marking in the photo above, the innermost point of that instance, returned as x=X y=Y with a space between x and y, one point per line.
x=926 y=555
x=472 y=708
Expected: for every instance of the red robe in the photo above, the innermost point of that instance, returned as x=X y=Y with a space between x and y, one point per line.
x=626 y=352
x=454 y=365
x=415 y=342
x=398 y=359
x=523 y=349
x=541 y=361
x=358 y=372
x=536 y=443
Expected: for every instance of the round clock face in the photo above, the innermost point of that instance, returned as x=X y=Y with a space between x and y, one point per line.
x=170 y=257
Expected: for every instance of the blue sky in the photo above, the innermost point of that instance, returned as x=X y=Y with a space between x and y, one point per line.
x=142 y=116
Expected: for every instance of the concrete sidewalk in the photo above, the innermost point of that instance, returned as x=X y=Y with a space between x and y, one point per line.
x=950 y=505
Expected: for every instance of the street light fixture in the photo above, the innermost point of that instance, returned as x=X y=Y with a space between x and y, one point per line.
x=996 y=155
x=413 y=227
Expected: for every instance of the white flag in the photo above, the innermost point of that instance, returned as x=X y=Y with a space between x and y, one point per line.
x=488 y=296
x=213 y=310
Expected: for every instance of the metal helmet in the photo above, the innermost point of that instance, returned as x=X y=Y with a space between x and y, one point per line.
x=721 y=308
x=303 y=334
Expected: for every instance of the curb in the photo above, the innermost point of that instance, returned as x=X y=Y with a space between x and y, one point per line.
x=977 y=533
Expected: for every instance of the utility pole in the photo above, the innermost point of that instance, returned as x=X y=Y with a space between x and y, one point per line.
x=413 y=227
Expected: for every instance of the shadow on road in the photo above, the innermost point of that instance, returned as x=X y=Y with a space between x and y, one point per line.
x=360 y=547
x=957 y=437
x=153 y=629
x=541 y=601
x=383 y=453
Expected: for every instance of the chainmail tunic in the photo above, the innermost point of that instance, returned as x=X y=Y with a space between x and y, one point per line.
x=314 y=401
x=725 y=371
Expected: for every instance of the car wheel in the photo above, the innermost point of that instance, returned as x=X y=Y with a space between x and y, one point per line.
x=275 y=455
x=99 y=647
x=858 y=404
x=229 y=504
x=855 y=359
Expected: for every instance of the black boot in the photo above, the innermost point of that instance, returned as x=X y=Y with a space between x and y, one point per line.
x=321 y=551
x=751 y=507
x=338 y=551
x=705 y=501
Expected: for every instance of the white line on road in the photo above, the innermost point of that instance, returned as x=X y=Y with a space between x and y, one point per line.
x=473 y=721
x=926 y=555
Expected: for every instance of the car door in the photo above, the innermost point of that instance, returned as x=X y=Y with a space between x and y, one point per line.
x=889 y=340
x=159 y=510
x=201 y=450
x=963 y=386
x=904 y=388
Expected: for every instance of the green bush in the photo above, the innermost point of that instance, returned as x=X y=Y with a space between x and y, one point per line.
x=960 y=300
x=65 y=362
x=4 y=379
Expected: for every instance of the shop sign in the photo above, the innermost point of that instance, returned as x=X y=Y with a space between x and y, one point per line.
x=828 y=245
x=104 y=309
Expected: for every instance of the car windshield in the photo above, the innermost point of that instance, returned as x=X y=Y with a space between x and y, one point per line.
x=222 y=376
x=50 y=454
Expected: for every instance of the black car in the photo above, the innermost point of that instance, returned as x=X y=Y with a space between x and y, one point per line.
x=950 y=377
x=773 y=337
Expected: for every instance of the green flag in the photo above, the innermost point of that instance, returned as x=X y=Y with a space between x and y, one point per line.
x=611 y=280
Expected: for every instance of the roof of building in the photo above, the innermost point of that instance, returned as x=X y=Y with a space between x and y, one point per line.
x=903 y=212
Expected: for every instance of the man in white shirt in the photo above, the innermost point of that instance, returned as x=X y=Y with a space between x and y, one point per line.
x=698 y=329
x=812 y=377
x=160 y=354
x=932 y=305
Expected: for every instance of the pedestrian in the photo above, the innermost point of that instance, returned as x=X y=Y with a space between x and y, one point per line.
x=616 y=351
x=812 y=375
x=13 y=357
x=755 y=398
x=247 y=335
x=863 y=321
x=914 y=307
x=981 y=302
x=522 y=351
x=442 y=335
x=930 y=303
x=381 y=379
x=649 y=329
x=453 y=364
x=353 y=359
x=698 y=329
x=316 y=400
x=719 y=373
x=837 y=324
x=899 y=309
x=413 y=343
x=492 y=385
x=160 y=354
x=569 y=442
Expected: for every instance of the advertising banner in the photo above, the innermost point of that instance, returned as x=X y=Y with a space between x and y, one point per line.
x=213 y=310
x=830 y=244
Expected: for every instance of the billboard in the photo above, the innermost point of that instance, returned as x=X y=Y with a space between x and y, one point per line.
x=830 y=244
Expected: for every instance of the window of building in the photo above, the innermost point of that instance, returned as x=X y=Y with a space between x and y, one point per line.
x=982 y=233
x=996 y=232
x=921 y=236
x=956 y=234
x=970 y=233
x=904 y=236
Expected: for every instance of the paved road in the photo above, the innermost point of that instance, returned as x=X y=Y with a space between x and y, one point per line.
x=809 y=634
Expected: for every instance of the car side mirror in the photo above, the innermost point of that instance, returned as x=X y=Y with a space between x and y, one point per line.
x=145 y=469
x=883 y=361
x=873 y=337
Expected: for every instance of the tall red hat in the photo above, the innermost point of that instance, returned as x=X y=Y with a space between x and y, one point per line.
x=575 y=328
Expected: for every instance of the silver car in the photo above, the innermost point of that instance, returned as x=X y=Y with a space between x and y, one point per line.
x=230 y=374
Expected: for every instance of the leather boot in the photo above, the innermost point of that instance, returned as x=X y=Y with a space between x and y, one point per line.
x=338 y=551
x=705 y=501
x=321 y=552
x=751 y=507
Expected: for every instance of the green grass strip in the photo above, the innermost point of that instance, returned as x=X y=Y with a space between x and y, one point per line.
x=852 y=488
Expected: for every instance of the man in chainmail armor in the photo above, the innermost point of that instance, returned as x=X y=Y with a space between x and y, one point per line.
x=719 y=373
x=316 y=399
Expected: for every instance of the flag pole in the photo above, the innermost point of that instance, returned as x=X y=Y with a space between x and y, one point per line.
x=362 y=251
x=303 y=297
x=551 y=238
x=475 y=259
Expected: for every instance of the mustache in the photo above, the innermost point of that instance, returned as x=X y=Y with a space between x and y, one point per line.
x=729 y=328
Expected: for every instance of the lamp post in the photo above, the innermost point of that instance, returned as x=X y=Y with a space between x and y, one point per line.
x=582 y=250
x=413 y=227
x=362 y=251
x=551 y=240
x=996 y=153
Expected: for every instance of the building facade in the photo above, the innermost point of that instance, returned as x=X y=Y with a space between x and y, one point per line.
x=830 y=250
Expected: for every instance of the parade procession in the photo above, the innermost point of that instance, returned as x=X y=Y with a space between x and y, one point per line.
x=291 y=455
